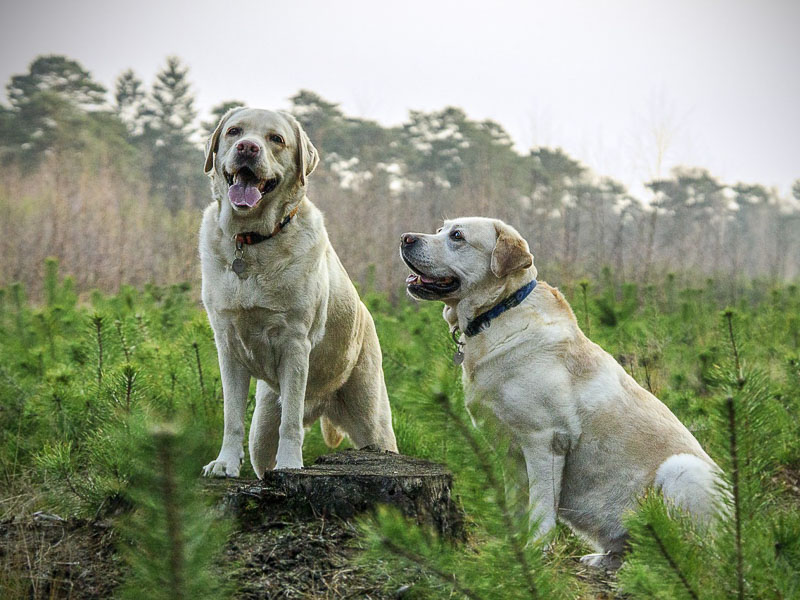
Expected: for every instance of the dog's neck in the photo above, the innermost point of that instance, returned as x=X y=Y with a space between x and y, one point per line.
x=459 y=313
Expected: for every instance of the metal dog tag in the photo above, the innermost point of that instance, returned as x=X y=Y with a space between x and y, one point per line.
x=458 y=357
x=238 y=266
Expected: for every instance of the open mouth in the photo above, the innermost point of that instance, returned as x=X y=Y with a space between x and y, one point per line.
x=245 y=188
x=427 y=287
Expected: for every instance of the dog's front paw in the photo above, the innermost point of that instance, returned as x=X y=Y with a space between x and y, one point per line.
x=290 y=456
x=611 y=561
x=222 y=467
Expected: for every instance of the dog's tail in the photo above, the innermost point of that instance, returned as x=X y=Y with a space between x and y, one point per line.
x=693 y=484
x=332 y=436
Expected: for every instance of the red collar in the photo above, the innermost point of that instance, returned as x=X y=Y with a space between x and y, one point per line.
x=253 y=237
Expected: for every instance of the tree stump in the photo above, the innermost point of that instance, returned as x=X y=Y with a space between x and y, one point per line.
x=348 y=483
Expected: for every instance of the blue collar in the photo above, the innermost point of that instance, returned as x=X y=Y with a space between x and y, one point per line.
x=482 y=321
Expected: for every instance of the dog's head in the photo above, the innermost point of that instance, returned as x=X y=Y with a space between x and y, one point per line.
x=468 y=257
x=255 y=155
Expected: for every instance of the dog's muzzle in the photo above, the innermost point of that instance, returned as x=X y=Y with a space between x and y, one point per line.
x=246 y=188
x=419 y=283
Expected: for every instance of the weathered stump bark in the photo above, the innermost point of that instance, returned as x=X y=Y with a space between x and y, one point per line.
x=347 y=483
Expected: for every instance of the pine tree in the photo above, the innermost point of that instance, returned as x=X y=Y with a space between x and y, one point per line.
x=322 y=120
x=750 y=551
x=171 y=538
x=52 y=106
x=217 y=112
x=169 y=125
x=170 y=109
x=129 y=99
x=59 y=75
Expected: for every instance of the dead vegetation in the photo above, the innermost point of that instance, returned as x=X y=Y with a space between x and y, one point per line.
x=49 y=557
x=294 y=537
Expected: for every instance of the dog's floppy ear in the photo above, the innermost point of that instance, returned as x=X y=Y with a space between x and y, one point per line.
x=510 y=252
x=212 y=145
x=307 y=156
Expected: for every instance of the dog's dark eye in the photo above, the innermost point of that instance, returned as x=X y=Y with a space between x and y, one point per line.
x=439 y=230
x=276 y=138
x=235 y=131
x=456 y=235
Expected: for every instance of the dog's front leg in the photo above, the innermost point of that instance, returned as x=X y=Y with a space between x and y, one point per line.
x=292 y=378
x=235 y=386
x=544 y=460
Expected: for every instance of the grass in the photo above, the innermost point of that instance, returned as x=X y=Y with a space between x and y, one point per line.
x=76 y=376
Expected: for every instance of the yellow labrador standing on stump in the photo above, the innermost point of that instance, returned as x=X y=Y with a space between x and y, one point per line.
x=281 y=305
x=592 y=439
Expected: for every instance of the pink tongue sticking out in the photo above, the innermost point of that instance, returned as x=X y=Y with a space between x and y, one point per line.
x=241 y=194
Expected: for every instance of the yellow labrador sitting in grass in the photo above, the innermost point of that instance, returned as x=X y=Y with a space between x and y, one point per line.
x=592 y=439
x=281 y=305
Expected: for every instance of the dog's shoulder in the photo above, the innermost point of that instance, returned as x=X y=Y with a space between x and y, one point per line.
x=209 y=225
x=212 y=256
x=554 y=301
x=210 y=214
x=578 y=354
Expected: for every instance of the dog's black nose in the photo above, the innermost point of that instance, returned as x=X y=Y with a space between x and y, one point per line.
x=247 y=149
x=408 y=239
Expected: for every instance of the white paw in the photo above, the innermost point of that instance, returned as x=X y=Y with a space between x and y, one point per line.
x=609 y=561
x=290 y=456
x=223 y=467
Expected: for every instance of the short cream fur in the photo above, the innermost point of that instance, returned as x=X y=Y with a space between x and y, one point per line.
x=295 y=321
x=592 y=439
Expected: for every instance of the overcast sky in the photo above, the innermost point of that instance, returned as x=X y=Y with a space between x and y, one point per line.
x=717 y=80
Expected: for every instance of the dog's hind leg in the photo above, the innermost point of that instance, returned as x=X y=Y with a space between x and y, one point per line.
x=264 y=428
x=361 y=407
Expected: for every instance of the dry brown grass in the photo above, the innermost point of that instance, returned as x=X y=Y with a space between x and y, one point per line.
x=100 y=222
x=49 y=557
x=104 y=230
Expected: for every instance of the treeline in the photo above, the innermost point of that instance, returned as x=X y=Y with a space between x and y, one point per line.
x=111 y=183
